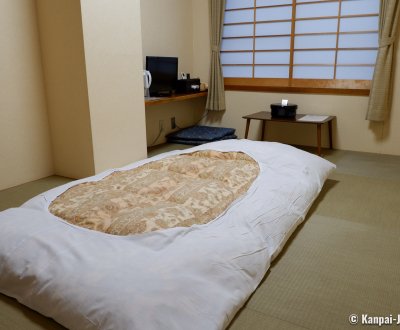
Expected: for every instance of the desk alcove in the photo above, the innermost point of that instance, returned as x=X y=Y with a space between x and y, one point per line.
x=160 y=111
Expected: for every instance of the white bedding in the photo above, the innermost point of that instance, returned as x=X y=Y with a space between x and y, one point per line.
x=178 y=278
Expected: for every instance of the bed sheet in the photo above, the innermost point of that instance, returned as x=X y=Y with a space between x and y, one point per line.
x=178 y=278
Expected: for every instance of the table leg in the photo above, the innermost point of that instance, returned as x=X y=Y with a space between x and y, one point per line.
x=263 y=130
x=247 y=128
x=319 y=139
x=330 y=134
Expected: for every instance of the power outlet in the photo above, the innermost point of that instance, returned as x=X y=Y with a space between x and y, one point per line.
x=173 y=123
x=161 y=125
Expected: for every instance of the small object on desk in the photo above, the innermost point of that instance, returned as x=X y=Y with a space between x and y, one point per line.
x=146 y=82
x=279 y=110
x=184 y=75
x=188 y=85
x=314 y=118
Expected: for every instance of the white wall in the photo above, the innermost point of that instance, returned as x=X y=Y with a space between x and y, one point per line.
x=71 y=77
x=92 y=63
x=201 y=39
x=113 y=55
x=25 y=147
x=167 y=30
x=64 y=67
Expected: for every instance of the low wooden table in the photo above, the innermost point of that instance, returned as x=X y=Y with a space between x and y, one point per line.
x=265 y=116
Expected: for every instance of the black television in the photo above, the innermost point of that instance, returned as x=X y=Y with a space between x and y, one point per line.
x=164 y=73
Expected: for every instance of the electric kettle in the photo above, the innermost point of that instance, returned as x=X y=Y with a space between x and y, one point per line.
x=146 y=82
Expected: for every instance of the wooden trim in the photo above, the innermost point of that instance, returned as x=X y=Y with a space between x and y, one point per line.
x=297 y=49
x=253 y=69
x=304 y=19
x=174 y=98
x=249 y=64
x=282 y=5
x=292 y=37
x=334 y=64
x=260 y=7
x=260 y=36
x=303 y=34
x=337 y=40
x=302 y=64
x=237 y=51
x=312 y=86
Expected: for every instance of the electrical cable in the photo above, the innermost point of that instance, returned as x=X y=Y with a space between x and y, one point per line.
x=157 y=137
x=161 y=130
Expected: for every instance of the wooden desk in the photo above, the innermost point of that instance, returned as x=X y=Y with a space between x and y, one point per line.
x=265 y=116
x=173 y=98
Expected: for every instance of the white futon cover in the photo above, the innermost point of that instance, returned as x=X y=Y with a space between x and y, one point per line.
x=178 y=278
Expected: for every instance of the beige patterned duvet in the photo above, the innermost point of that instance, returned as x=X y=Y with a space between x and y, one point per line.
x=181 y=190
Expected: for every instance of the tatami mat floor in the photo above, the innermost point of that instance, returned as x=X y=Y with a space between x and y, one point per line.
x=344 y=259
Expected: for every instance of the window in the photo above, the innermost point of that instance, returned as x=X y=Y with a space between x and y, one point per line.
x=300 y=45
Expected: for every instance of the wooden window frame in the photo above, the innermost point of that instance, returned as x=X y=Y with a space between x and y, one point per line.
x=293 y=85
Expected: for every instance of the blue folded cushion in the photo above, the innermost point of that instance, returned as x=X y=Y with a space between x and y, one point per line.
x=202 y=133
x=198 y=142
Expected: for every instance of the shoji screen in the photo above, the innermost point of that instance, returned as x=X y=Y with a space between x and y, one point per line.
x=300 y=39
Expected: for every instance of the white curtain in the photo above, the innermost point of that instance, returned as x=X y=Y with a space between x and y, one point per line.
x=382 y=82
x=216 y=92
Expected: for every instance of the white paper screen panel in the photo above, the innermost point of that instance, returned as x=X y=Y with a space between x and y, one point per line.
x=272 y=43
x=314 y=57
x=237 y=58
x=271 y=71
x=317 y=25
x=313 y=72
x=272 y=58
x=242 y=30
x=279 y=28
x=354 y=72
x=239 y=16
x=357 y=57
x=357 y=7
x=366 y=40
x=274 y=13
x=234 y=4
x=237 y=71
x=273 y=2
x=237 y=44
x=315 y=41
x=358 y=24
x=317 y=9
x=305 y=1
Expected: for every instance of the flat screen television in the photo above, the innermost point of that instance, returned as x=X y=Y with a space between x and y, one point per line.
x=164 y=73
